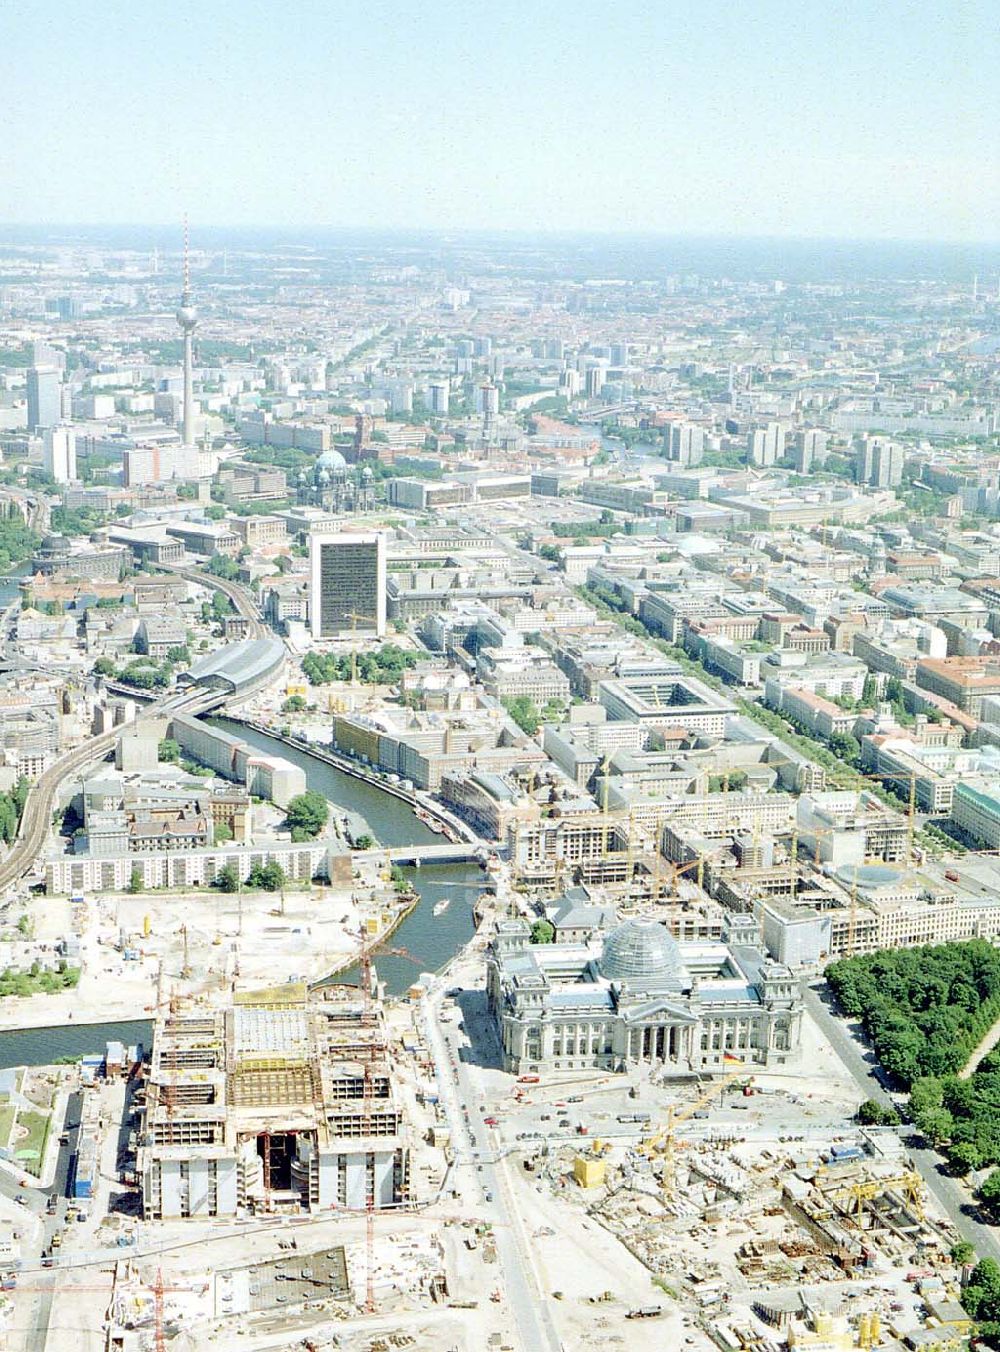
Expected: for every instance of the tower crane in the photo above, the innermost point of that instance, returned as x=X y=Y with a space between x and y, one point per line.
x=698 y=863
x=662 y=1142
x=57 y=1286
x=355 y=619
x=605 y=823
x=368 y=949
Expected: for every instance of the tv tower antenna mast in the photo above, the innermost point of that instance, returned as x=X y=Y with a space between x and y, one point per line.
x=187 y=318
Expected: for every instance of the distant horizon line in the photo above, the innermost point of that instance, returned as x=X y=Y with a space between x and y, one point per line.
x=540 y=232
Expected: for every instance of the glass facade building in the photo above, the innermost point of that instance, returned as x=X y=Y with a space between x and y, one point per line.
x=347 y=578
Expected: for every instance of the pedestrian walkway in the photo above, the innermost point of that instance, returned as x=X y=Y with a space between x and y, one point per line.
x=986 y=1044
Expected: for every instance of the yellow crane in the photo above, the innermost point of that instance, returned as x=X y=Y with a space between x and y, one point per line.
x=852 y=915
x=630 y=856
x=698 y=863
x=861 y=1194
x=355 y=618
x=680 y=869
x=663 y=1141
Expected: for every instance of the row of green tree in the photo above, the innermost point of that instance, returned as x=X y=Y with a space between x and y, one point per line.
x=262 y=877
x=38 y=980
x=12 y=803
x=144 y=675
x=527 y=715
x=17 y=542
x=981 y=1298
x=223 y=566
x=925 y=1010
x=584 y=531
x=218 y=609
x=385 y=666
x=960 y=1117
x=77 y=520
x=306 y=815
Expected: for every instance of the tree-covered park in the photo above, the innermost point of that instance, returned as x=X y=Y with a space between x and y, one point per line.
x=925 y=1010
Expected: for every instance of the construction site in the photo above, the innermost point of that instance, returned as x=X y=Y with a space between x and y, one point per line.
x=132 y=946
x=755 y=1241
x=304 y=1297
x=826 y=874
x=314 y=1167
x=289 y=1171
x=281 y=1102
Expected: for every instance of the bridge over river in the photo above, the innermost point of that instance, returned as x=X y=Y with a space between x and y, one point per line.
x=448 y=852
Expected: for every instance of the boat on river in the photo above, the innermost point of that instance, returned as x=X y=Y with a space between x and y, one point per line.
x=441 y=906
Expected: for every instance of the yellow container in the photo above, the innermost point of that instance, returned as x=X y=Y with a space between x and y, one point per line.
x=588 y=1172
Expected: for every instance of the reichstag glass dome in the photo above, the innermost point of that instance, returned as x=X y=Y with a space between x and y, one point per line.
x=640 y=949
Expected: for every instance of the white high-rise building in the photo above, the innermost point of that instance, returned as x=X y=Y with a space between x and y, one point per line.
x=684 y=443
x=879 y=462
x=889 y=460
x=595 y=381
x=59 y=454
x=157 y=464
x=44 y=397
x=810 y=449
x=765 y=445
x=437 y=393
x=488 y=399
x=347 y=584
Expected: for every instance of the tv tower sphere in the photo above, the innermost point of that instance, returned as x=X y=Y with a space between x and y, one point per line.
x=187 y=316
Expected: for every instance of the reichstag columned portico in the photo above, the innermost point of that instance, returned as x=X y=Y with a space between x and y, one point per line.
x=636 y=996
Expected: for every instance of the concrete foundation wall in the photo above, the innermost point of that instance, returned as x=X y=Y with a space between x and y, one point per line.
x=198 y=1187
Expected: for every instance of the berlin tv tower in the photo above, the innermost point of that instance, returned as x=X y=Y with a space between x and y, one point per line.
x=187 y=318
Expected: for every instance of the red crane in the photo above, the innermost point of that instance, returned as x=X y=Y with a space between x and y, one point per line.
x=368 y=949
x=159 y=1289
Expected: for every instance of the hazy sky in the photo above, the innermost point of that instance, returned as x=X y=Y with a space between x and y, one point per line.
x=756 y=117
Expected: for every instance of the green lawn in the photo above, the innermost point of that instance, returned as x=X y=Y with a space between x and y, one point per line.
x=7 y=1113
x=37 y=1125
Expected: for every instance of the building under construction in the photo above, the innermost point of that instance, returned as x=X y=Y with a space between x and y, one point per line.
x=282 y=1101
x=853 y=1204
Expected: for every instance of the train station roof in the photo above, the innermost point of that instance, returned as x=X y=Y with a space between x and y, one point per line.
x=235 y=665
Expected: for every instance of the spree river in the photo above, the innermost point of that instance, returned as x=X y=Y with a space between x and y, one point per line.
x=429 y=939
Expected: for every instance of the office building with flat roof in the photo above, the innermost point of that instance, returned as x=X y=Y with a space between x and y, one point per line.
x=667 y=700
x=347 y=584
x=44 y=398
